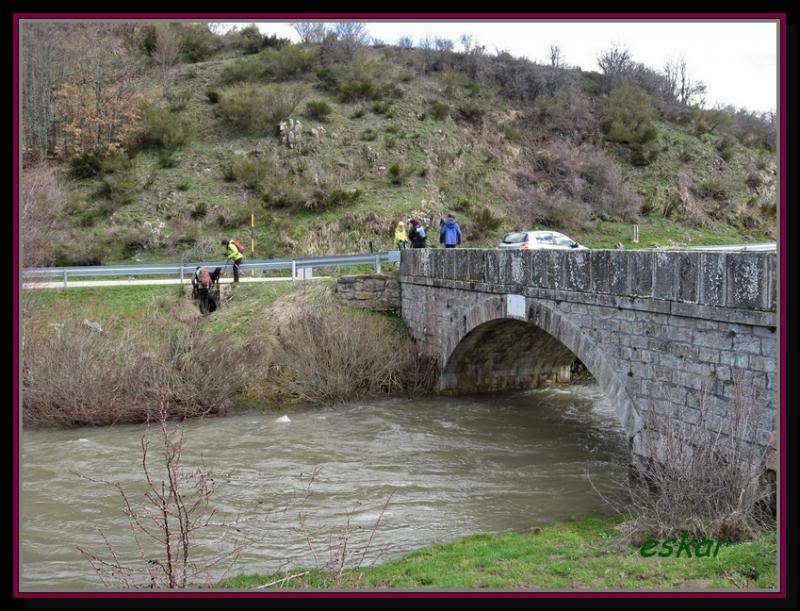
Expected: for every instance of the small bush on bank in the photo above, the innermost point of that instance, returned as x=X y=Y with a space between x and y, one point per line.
x=713 y=189
x=330 y=198
x=162 y=129
x=252 y=172
x=120 y=189
x=167 y=159
x=439 y=110
x=213 y=96
x=471 y=113
x=86 y=165
x=318 y=110
x=258 y=109
x=399 y=173
x=271 y=64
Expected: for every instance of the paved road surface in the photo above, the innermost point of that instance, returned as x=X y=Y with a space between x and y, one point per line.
x=149 y=282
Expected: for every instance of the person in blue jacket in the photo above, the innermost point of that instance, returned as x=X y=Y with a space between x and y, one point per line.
x=450 y=233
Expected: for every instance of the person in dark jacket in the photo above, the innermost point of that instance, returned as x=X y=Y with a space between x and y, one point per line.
x=417 y=234
x=203 y=284
x=450 y=232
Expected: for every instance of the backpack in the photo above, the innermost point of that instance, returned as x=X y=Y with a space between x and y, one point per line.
x=239 y=246
x=204 y=278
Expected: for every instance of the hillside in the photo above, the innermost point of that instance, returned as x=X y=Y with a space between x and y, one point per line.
x=387 y=134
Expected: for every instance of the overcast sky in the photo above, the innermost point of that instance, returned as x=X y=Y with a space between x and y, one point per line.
x=736 y=60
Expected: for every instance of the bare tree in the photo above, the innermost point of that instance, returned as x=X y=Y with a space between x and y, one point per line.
x=42 y=72
x=556 y=56
x=405 y=42
x=165 y=526
x=679 y=85
x=615 y=64
x=42 y=196
x=468 y=42
x=310 y=32
x=166 y=55
x=100 y=100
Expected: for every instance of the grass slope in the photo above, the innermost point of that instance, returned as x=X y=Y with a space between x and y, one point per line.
x=580 y=555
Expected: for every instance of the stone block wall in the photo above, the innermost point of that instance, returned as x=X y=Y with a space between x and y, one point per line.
x=372 y=291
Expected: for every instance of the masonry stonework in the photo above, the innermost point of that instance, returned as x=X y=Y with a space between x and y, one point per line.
x=669 y=334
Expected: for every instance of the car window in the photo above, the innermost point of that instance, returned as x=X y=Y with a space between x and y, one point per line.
x=515 y=238
x=545 y=238
x=563 y=240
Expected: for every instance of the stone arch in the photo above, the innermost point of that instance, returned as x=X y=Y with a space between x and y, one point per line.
x=490 y=348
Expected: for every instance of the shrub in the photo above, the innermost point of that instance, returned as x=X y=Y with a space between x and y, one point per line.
x=691 y=452
x=318 y=109
x=272 y=64
x=75 y=249
x=725 y=147
x=753 y=181
x=162 y=129
x=200 y=211
x=471 y=113
x=358 y=113
x=327 y=354
x=252 y=171
x=86 y=165
x=440 y=110
x=258 y=109
x=564 y=173
x=75 y=375
x=486 y=221
x=685 y=156
x=120 y=189
x=195 y=42
x=399 y=173
x=235 y=214
x=179 y=100
x=212 y=95
x=167 y=159
x=329 y=198
x=183 y=185
x=369 y=134
x=629 y=116
x=713 y=189
x=42 y=204
x=381 y=108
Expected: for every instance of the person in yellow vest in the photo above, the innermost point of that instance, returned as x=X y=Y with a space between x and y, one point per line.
x=234 y=255
x=400 y=236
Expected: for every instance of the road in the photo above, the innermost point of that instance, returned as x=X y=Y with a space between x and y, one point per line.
x=150 y=282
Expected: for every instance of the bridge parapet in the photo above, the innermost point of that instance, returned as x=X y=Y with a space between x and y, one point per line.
x=736 y=287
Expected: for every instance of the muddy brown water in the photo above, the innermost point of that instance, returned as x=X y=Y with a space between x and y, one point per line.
x=448 y=467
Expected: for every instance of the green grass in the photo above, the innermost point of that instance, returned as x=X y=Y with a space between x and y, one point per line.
x=116 y=304
x=585 y=554
x=655 y=231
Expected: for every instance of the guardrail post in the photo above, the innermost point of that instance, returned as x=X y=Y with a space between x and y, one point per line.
x=294 y=270
x=65 y=278
x=377 y=264
x=181 y=274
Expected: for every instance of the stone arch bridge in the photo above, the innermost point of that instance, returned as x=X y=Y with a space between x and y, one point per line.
x=676 y=334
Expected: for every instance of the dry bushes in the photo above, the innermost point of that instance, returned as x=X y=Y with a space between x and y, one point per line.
x=43 y=198
x=567 y=185
x=322 y=353
x=709 y=476
x=74 y=374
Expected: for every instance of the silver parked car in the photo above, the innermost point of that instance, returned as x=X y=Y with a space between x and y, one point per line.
x=535 y=240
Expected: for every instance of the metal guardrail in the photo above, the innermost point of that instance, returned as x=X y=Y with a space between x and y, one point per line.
x=181 y=269
x=763 y=247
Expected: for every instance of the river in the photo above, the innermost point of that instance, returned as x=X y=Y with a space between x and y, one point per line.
x=447 y=466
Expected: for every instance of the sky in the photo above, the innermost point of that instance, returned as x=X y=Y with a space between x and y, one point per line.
x=737 y=61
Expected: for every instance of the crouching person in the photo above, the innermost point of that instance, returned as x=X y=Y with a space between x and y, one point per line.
x=203 y=286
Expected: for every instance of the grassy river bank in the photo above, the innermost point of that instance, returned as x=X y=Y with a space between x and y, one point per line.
x=590 y=554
